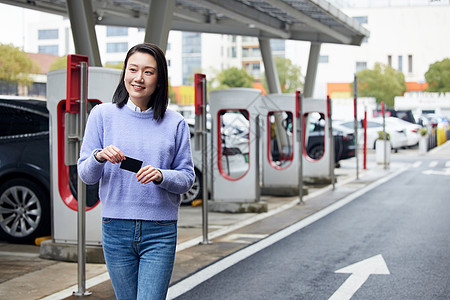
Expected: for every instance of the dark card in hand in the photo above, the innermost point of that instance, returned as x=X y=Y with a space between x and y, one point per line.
x=131 y=164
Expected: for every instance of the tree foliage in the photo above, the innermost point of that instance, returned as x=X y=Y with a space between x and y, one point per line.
x=234 y=77
x=289 y=75
x=118 y=65
x=59 y=63
x=16 y=65
x=438 y=76
x=383 y=83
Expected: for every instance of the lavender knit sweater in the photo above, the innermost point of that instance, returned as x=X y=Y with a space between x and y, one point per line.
x=163 y=144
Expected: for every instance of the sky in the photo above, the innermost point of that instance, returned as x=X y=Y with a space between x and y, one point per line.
x=12 y=20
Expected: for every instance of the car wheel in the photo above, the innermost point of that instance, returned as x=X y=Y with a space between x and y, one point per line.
x=316 y=152
x=24 y=211
x=196 y=190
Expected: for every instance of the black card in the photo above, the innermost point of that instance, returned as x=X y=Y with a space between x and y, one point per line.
x=131 y=164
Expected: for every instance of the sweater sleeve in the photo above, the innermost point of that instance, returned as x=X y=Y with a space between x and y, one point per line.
x=89 y=169
x=180 y=177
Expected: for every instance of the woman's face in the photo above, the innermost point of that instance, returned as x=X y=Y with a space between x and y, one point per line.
x=141 y=77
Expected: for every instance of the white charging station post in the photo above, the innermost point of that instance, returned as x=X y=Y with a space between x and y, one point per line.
x=201 y=144
x=76 y=103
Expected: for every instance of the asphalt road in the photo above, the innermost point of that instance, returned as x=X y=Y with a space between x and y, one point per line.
x=399 y=232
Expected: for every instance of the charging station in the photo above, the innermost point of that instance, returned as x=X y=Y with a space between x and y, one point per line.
x=280 y=154
x=235 y=155
x=317 y=156
x=63 y=109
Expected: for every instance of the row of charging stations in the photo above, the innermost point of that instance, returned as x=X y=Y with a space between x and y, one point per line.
x=244 y=121
x=255 y=144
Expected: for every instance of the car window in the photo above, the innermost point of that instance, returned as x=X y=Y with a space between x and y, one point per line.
x=17 y=120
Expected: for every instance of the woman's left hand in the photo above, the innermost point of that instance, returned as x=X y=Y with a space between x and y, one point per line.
x=148 y=174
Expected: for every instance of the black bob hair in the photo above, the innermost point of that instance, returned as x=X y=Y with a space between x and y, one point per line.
x=160 y=97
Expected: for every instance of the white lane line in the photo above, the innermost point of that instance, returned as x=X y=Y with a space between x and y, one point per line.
x=20 y=254
x=433 y=164
x=417 y=164
x=214 y=269
x=69 y=291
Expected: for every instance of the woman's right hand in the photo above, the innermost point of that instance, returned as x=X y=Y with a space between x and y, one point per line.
x=111 y=154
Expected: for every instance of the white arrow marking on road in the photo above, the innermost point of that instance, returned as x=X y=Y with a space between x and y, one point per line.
x=446 y=172
x=360 y=273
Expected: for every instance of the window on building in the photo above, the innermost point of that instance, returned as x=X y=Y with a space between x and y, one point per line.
x=362 y=19
x=400 y=63
x=49 y=49
x=323 y=59
x=8 y=88
x=191 y=64
x=410 y=63
x=389 y=60
x=233 y=52
x=192 y=42
x=38 y=89
x=48 y=34
x=361 y=65
x=116 y=31
x=277 y=45
x=116 y=47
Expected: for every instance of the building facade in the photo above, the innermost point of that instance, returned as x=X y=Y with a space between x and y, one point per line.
x=408 y=35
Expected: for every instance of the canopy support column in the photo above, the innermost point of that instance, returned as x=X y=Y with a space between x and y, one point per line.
x=83 y=30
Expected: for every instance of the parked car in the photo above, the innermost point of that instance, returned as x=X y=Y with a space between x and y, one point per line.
x=405 y=115
x=397 y=133
x=411 y=130
x=344 y=142
x=24 y=169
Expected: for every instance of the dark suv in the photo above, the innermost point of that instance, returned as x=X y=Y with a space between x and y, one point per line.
x=24 y=169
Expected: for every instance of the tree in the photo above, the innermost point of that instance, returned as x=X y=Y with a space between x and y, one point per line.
x=118 y=65
x=59 y=63
x=383 y=83
x=234 y=77
x=289 y=75
x=16 y=65
x=438 y=76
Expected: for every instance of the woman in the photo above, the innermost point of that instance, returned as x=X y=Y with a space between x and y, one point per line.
x=139 y=210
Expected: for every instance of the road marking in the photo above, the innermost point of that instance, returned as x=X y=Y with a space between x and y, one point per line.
x=447 y=164
x=243 y=238
x=433 y=164
x=445 y=172
x=360 y=273
x=19 y=254
x=201 y=276
x=417 y=164
x=69 y=291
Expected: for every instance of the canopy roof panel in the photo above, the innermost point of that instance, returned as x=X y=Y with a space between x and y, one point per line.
x=306 y=20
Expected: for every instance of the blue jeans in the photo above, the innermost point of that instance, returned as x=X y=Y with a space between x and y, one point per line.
x=139 y=256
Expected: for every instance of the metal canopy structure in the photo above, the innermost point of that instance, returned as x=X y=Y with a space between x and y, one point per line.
x=316 y=21
x=307 y=20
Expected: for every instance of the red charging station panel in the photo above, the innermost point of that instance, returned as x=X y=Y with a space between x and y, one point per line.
x=73 y=81
x=199 y=80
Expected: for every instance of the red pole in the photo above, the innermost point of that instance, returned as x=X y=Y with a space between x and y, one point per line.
x=365 y=141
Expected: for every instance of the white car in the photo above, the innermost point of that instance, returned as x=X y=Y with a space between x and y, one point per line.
x=397 y=133
x=412 y=130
